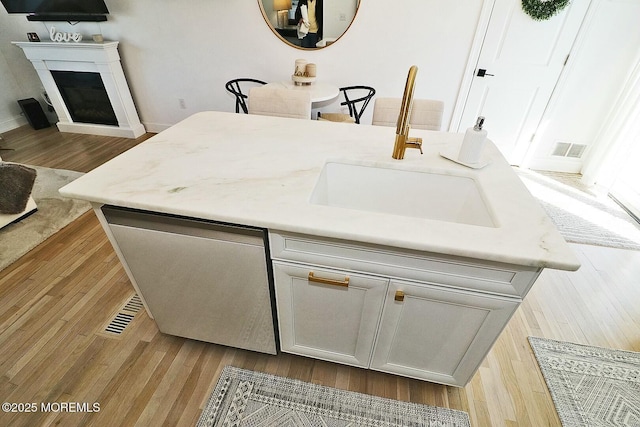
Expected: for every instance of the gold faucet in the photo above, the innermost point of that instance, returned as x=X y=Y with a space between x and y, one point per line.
x=403 y=141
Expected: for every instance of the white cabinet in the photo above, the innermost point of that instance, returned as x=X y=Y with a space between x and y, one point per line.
x=425 y=316
x=327 y=314
x=436 y=333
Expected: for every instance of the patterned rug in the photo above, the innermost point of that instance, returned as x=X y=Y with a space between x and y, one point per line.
x=581 y=214
x=54 y=213
x=590 y=386
x=247 y=398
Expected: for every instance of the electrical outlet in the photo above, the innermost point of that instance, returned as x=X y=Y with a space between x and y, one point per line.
x=343 y=17
x=182 y=104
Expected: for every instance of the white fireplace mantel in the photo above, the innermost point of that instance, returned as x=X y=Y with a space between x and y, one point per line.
x=100 y=58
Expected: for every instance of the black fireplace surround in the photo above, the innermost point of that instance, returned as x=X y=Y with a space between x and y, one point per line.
x=85 y=97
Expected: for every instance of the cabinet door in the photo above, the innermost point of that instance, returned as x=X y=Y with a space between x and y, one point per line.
x=331 y=320
x=438 y=334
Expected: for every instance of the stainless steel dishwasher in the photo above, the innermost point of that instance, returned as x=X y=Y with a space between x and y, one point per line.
x=202 y=280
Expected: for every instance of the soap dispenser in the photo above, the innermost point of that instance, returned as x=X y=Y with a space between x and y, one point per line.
x=473 y=143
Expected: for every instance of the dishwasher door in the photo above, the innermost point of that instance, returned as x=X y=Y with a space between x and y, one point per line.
x=201 y=280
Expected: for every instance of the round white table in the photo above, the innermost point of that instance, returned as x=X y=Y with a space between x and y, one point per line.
x=319 y=91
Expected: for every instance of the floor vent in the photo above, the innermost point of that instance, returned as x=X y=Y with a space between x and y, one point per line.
x=134 y=304
x=567 y=149
x=119 y=323
x=124 y=316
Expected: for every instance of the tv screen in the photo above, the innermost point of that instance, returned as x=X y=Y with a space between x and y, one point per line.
x=56 y=7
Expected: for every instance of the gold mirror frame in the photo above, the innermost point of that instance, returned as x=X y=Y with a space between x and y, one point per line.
x=265 y=16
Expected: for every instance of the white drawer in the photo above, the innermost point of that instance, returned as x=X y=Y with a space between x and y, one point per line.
x=463 y=273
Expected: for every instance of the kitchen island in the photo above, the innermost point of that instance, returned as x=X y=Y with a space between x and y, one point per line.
x=351 y=275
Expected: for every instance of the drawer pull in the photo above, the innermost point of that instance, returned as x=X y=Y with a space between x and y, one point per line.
x=344 y=283
x=399 y=296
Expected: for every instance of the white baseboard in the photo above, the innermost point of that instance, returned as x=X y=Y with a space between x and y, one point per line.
x=105 y=130
x=155 y=127
x=556 y=164
x=12 y=123
x=16 y=122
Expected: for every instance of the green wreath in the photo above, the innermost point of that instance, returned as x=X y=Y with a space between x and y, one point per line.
x=541 y=10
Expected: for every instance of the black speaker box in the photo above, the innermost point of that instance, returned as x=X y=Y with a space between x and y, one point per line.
x=34 y=114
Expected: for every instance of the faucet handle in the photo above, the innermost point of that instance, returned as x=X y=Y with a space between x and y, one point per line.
x=415 y=142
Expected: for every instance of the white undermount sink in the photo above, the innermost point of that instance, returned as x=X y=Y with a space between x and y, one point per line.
x=418 y=194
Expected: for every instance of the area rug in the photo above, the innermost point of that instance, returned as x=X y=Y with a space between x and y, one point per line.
x=248 y=398
x=54 y=213
x=590 y=386
x=581 y=215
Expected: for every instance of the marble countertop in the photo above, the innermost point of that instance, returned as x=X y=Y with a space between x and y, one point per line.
x=261 y=171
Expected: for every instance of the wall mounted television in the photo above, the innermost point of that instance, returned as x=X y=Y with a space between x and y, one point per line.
x=59 y=10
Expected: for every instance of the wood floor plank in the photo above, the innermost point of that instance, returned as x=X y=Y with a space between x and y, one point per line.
x=136 y=385
x=56 y=300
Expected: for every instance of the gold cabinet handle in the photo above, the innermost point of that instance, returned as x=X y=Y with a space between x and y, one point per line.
x=399 y=296
x=344 y=283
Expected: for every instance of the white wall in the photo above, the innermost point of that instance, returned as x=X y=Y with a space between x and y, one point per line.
x=187 y=50
x=18 y=78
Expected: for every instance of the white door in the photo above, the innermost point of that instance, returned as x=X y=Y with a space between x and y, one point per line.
x=438 y=334
x=518 y=67
x=626 y=187
x=615 y=159
x=331 y=316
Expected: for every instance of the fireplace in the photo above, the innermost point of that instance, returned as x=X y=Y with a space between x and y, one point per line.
x=87 y=87
x=85 y=97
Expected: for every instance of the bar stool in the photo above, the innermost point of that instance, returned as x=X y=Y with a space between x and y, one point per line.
x=356 y=98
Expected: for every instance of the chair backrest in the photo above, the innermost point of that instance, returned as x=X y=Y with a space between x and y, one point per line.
x=356 y=98
x=425 y=114
x=280 y=102
x=236 y=87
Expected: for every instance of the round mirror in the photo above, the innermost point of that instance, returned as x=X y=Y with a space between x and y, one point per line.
x=322 y=22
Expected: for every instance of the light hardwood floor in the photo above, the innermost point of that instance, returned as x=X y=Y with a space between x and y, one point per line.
x=56 y=301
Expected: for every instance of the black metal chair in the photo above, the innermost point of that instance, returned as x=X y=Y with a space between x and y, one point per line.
x=356 y=98
x=353 y=96
x=236 y=87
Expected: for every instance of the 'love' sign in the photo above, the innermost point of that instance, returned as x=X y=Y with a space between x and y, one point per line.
x=64 y=37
